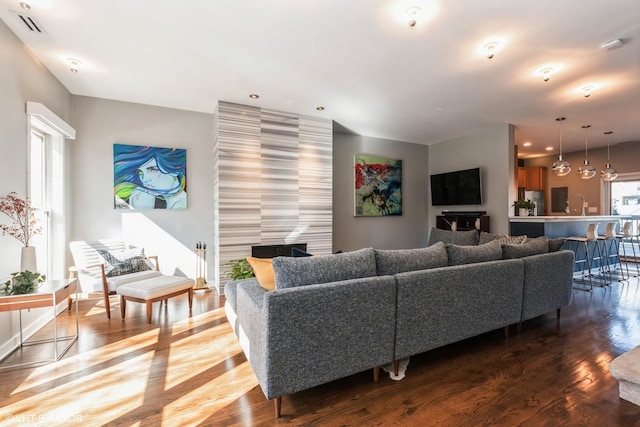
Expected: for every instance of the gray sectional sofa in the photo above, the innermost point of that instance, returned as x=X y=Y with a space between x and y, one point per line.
x=336 y=315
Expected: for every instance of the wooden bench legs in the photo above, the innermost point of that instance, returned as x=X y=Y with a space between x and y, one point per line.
x=149 y=302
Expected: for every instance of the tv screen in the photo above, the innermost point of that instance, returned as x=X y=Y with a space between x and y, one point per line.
x=456 y=188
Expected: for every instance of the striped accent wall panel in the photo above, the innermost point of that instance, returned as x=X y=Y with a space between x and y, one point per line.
x=273 y=182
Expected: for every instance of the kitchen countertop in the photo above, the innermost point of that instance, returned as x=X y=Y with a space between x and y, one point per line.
x=566 y=218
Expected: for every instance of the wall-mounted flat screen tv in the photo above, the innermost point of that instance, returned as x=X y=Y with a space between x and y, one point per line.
x=456 y=188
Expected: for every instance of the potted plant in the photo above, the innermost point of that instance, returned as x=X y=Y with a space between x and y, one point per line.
x=240 y=269
x=23 y=282
x=524 y=207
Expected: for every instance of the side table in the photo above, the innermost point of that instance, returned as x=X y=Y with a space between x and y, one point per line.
x=49 y=294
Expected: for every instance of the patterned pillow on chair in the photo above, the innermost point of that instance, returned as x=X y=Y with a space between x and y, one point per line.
x=123 y=262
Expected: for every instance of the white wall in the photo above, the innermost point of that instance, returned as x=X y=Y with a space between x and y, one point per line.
x=22 y=79
x=408 y=230
x=171 y=234
x=493 y=151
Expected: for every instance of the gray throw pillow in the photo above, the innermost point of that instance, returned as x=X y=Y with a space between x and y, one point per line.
x=401 y=260
x=556 y=244
x=461 y=238
x=459 y=255
x=535 y=246
x=290 y=272
x=486 y=237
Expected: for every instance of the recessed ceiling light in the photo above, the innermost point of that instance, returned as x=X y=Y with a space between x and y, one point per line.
x=25 y=6
x=586 y=90
x=74 y=64
x=546 y=73
x=490 y=49
x=611 y=45
x=548 y=148
x=320 y=108
x=527 y=144
x=254 y=96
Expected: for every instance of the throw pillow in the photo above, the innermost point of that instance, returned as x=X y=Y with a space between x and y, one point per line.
x=466 y=238
x=487 y=237
x=263 y=270
x=123 y=262
x=459 y=255
x=401 y=260
x=300 y=271
x=556 y=244
x=535 y=246
x=299 y=252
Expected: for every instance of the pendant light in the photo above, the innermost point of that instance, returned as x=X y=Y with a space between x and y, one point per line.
x=561 y=167
x=586 y=171
x=608 y=173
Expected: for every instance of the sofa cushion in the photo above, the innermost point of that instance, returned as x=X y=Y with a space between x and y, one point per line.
x=556 y=244
x=123 y=262
x=263 y=270
x=487 y=237
x=401 y=260
x=300 y=271
x=460 y=238
x=535 y=246
x=459 y=255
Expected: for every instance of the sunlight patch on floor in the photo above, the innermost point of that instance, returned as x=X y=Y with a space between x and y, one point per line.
x=87 y=360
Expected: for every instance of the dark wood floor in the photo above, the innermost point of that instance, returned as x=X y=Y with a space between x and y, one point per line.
x=183 y=370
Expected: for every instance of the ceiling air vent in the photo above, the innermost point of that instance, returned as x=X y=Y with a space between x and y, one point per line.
x=29 y=22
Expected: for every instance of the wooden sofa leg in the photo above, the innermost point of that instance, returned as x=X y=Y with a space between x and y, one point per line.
x=396 y=367
x=376 y=374
x=123 y=306
x=190 y=298
x=506 y=331
x=519 y=329
x=278 y=405
x=558 y=313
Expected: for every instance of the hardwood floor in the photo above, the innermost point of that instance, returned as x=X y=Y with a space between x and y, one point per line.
x=187 y=371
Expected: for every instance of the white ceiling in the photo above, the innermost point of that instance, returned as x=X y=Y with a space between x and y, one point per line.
x=360 y=60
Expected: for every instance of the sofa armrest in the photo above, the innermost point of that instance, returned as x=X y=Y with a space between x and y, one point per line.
x=305 y=336
x=548 y=282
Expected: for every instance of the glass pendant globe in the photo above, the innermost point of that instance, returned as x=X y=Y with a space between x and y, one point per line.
x=586 y=171
x=608 y=173
x=561 y=167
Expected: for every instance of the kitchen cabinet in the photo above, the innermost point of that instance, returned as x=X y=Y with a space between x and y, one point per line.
x=532 y=178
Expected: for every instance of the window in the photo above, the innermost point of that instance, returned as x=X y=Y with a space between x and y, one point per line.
x=625 y=195
x=46 y=186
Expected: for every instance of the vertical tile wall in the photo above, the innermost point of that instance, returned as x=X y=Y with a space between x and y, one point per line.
x=273 y=182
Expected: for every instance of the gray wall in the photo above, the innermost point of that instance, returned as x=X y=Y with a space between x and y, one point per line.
x=171 y=234
x=408 y=230
x=493 y=151
x=22 y=79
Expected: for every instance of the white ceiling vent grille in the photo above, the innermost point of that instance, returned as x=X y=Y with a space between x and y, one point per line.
x=29 y=22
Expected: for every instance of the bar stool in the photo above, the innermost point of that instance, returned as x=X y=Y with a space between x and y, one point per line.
x=587 y=261
x=609 y=243
x=627 y=235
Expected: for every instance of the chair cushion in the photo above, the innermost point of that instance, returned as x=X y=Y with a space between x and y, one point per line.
x=300 y=271
x=461 y=238
x=459 y=255
x=263 y=270
x=401 y=260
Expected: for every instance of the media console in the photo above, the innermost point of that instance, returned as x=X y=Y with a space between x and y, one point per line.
x=463 y=221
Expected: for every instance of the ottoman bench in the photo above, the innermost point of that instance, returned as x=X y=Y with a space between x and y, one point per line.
x=626 y=368
x=154 y=289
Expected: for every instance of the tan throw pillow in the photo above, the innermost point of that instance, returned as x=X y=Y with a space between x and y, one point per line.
x=263 y=269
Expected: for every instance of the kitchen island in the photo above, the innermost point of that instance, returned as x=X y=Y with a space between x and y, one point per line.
x=559 y=226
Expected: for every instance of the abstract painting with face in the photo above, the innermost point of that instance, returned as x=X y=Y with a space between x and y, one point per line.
x=149 y=177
